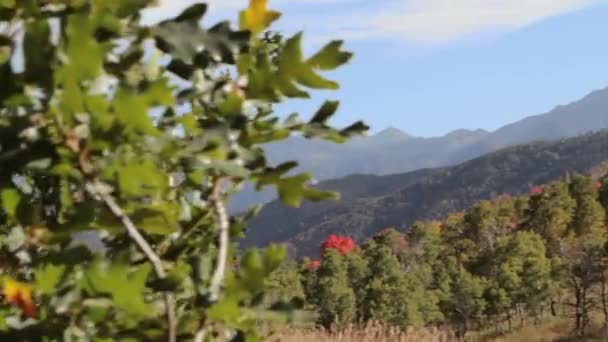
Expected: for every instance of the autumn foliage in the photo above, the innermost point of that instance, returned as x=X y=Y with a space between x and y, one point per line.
x=537 y=190
x=19 y=295
x=342 y=244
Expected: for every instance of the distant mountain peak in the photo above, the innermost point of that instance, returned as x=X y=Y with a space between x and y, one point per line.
x=466 y=133
x=393 y=133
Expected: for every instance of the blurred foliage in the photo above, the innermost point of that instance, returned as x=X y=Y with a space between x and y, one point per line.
x=138 y=135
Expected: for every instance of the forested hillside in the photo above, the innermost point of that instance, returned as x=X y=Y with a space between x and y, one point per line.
x=372 y=203
x=505 y=263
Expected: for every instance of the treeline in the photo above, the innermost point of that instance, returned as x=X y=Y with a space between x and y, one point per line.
x=506 y=262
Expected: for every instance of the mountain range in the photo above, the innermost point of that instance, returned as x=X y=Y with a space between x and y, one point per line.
x=372 y=202
x=393 y=151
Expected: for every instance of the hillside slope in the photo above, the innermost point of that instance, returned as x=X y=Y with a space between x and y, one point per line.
x=392 y=151
x=371 y=203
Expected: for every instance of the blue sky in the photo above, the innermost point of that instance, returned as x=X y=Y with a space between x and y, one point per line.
x=432 y=66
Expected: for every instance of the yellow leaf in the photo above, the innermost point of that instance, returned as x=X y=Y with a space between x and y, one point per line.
x=257 y=17
x=20 y=295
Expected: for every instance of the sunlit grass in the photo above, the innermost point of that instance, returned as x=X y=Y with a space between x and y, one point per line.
x=556 y=330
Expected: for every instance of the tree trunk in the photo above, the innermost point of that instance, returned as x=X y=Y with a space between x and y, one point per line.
x=604 y=303
x=578 y=312
x=553 y=308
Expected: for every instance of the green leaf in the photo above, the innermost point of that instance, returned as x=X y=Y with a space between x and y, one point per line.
x=230 y=168
x=224 y=311
x=325 y=112
x=140 y=178
x=122 y=8
x=10 y=201
x=85 y=54
x=47 y=277
x=8 y=3
x=330 y=57
x=273 y=175
x=231 y=105
x=274 y=255
x=39 y=164
x=195 y=12
x=293 y=189
x=290 y=62
x=191 y=46
x=125 y=286
x=132 y=111
x=357 y=128
x=262 y=82
x=157 y=219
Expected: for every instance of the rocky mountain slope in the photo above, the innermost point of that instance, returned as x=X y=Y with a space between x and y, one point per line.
x=370 y=203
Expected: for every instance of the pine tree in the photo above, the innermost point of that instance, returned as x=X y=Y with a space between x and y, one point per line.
x=285 y=283
x=465 y=303
x=603 y=193
x=485 y=223
x=336 y=302
x=464 y=250
x=521 y=272
x=389 y=295
x=549 y=214
x=583 y=267
x=589 y=215
x=424 y=242
x=358 y=275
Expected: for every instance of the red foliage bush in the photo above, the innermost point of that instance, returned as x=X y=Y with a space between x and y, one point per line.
x=342 y=244
x=537 y=190
x=313 y=265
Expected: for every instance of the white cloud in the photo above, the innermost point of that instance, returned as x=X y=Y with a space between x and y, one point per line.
x=436 y=21
x=423 y=21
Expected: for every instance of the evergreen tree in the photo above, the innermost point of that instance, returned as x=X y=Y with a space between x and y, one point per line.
x=424 y=242
x=522 y=273
x=285 y=283
x=589 y=215
x=583 y=268
x=485 y=223
x=464 y=250
x=549 y=214
x=603 y=193
x=358 y=275
x=482 y=226
x=465 y=303
x=335 y=299
x=390 y=295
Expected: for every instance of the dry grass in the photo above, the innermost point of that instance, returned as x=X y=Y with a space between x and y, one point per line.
x=372 y=332
x=558 y=330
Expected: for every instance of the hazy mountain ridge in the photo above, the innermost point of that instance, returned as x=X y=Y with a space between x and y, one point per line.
x=393 y=151
x=371 y=203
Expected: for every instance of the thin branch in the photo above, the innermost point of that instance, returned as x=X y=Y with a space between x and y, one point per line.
x=224 y=227
x=98 y=190
x=224 y=240
x=200 y=335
